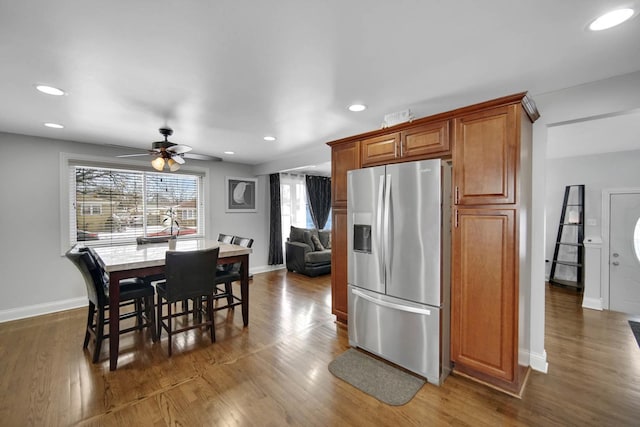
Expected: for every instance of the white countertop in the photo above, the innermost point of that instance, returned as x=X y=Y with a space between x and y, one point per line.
x=126 y=257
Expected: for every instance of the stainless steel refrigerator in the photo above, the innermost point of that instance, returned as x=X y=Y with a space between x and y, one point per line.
x=398 y=264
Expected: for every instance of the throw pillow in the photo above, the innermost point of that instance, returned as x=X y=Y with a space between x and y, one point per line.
x=307 y=239
x=325 y=238
x=297 y=234
x=316 y=243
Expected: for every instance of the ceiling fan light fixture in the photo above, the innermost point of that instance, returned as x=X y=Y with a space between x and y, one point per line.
x=173 y=165
x=158 y=163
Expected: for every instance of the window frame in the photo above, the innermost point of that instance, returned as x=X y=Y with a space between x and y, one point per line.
x=69 y=160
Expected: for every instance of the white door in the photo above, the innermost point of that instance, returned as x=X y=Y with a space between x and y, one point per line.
x=624 y=253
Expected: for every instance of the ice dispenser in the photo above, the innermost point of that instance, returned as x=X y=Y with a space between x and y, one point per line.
x=362 y=238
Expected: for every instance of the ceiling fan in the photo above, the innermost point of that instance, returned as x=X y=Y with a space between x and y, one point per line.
x=168 y=153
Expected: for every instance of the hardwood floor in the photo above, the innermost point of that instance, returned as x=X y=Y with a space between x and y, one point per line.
x=275 y=372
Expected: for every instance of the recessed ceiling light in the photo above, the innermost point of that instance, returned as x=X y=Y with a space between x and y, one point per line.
x=269 y=138
x=357 y=107
x=229 y=152
x=54 y=125
x=50 y=90
x=611 y=19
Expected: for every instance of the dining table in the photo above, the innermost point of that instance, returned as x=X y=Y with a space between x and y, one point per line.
x=134 y=260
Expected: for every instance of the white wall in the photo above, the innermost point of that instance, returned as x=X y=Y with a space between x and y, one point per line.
x=617 y=94
x=596 y=172
x=35 y=277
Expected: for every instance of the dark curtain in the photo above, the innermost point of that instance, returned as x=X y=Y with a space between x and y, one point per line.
x=275 y=229
x=319 y=196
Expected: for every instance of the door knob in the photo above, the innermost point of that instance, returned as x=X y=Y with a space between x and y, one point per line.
x=616 y=255
x=615 y=263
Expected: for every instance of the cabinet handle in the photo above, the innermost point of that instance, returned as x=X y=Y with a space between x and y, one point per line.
x=455 y=220
x=457 y=195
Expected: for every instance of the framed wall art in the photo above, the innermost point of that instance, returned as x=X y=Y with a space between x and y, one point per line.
x=240 y=194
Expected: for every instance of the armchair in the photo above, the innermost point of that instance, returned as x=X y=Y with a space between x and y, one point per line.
x=308 y=251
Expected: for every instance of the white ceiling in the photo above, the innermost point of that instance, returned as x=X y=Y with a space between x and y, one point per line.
x=224 y=73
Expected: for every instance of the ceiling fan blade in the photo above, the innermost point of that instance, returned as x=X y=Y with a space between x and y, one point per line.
x=202 y=157
x=178 y=159
x=179 y=149
x=133 y=155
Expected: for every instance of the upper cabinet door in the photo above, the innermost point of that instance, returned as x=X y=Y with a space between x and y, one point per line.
x=380 y=150
x=425 y=141
x=344 y=157
x=485 y=153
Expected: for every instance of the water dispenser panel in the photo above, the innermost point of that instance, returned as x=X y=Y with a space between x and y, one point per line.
x=362 y=238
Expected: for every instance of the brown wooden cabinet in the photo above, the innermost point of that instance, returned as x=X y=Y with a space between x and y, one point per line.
x=483 y=293
x=344 y=157
x=380 y=150
x=413 y=143
x=490 y=144
x=425 y=141
x=485 y=152
x=491 y=178
x=339 y=264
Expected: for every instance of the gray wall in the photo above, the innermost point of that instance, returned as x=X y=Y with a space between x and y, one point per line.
x=35 y=277
x=596 y=172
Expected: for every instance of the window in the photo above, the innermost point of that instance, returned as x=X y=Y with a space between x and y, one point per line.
x=117 y=205
x=293 y=203
x=90 y=209
x=294 y=206
x=293 y=195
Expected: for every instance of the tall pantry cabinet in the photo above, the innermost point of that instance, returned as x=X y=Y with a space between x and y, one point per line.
x=344 y=157
x=492 y=181
x=490 y=146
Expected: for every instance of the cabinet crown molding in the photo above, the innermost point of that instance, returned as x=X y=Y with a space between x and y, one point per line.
x=523 y=98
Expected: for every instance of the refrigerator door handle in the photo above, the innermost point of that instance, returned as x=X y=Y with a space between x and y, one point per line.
x=388 y=304
x=388 y=253
x=379 y=214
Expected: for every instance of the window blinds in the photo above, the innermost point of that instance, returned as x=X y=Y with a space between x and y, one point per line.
x=116 y=205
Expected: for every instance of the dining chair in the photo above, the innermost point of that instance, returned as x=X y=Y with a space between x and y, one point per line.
x=188 y=275
x=225 y=238
x=228 y=275
x=132 y=291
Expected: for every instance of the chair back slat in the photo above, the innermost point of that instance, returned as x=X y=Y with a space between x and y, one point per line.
x=190 y=274
x=225 y=238
x=242 y=241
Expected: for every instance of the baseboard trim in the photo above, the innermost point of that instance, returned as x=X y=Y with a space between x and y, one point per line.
x=55 y=306
x=539 y=362
x=265 y=268
x=592 y=303
x=40 y=309
x=524 y=357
